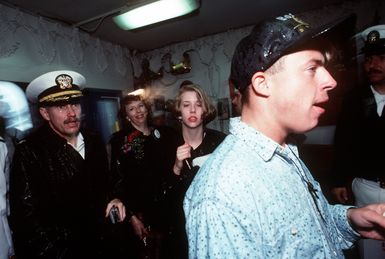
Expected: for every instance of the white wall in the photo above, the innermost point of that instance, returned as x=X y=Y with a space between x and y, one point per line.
x=31 y=46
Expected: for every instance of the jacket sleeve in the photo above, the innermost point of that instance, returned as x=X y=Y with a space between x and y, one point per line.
x=116 y=187
x=31 y=237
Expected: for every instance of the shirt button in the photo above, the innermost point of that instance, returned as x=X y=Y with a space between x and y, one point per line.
x=294 y=231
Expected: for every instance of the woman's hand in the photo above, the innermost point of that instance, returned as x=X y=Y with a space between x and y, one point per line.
x=121 y=208
x=138 y=227
x=183 y=152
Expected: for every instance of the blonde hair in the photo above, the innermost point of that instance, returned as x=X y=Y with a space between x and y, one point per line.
x=209 y=111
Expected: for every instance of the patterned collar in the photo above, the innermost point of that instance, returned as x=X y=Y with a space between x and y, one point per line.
x=263 y=145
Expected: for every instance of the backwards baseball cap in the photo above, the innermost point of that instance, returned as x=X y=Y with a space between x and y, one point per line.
x=270 y=40
x=56 y=88
x=374 y=40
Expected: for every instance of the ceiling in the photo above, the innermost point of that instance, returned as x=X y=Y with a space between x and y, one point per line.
x=214 y=16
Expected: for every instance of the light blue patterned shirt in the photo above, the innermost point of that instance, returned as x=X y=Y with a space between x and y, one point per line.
x=251 y=200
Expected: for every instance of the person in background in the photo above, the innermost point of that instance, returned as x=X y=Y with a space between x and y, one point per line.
x=58 y=189
x=254 y=197
x=359 y=137
x=140 y=158
x=236 y=99
x=6 y=244
x=195 y=144
x=185 y=82
x=159 y=118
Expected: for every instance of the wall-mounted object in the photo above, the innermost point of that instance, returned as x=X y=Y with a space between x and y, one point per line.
x=182 y=67
x=147 y=75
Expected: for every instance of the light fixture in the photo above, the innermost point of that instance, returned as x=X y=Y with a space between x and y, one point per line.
x=154 y=12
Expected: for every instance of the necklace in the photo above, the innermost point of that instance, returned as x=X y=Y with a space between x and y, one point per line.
x=310 y=187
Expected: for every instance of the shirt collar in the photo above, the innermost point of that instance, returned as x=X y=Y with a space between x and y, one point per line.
x=264 y=146
x=79 y=144
x=378 y=97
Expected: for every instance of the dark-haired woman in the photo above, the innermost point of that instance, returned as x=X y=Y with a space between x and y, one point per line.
x=140 y=160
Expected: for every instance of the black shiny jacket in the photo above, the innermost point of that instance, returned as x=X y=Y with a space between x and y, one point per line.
x=57 y=198
x=359 y=138
x=139 y=166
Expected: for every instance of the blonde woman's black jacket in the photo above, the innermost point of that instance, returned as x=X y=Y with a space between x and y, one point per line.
x=178 y=237
x=57 y=198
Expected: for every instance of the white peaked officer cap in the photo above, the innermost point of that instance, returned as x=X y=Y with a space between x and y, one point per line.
x=374 y=38
x=56 y=88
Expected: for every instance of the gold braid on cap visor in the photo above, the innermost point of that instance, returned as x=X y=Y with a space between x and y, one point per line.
x=62 y=96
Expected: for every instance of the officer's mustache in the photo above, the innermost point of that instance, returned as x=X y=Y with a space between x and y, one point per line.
x=375 y=71
x=71 y=120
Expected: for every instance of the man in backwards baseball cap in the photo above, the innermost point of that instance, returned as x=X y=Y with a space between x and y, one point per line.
x=276 y=37
x=58 y=179
x=254 y=197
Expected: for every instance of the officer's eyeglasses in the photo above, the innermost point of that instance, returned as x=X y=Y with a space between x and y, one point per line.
x=68 y=107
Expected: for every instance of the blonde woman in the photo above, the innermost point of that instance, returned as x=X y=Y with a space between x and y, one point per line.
x=195 y=143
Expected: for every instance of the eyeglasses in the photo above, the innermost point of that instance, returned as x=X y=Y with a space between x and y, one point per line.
x=68 y=108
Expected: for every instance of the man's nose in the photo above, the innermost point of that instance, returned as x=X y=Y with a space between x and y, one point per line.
x=70 y=110
x=329 y=82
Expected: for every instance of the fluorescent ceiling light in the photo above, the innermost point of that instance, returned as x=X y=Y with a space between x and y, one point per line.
x=155 y=12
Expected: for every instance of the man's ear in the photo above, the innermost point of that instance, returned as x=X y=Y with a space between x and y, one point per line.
x=259 y=84
x=44 y=113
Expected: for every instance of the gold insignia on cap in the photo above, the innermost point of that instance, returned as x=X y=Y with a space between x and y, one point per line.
x=301 y=25
x=61 y=96
x=373 y=37
x=64 y=81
